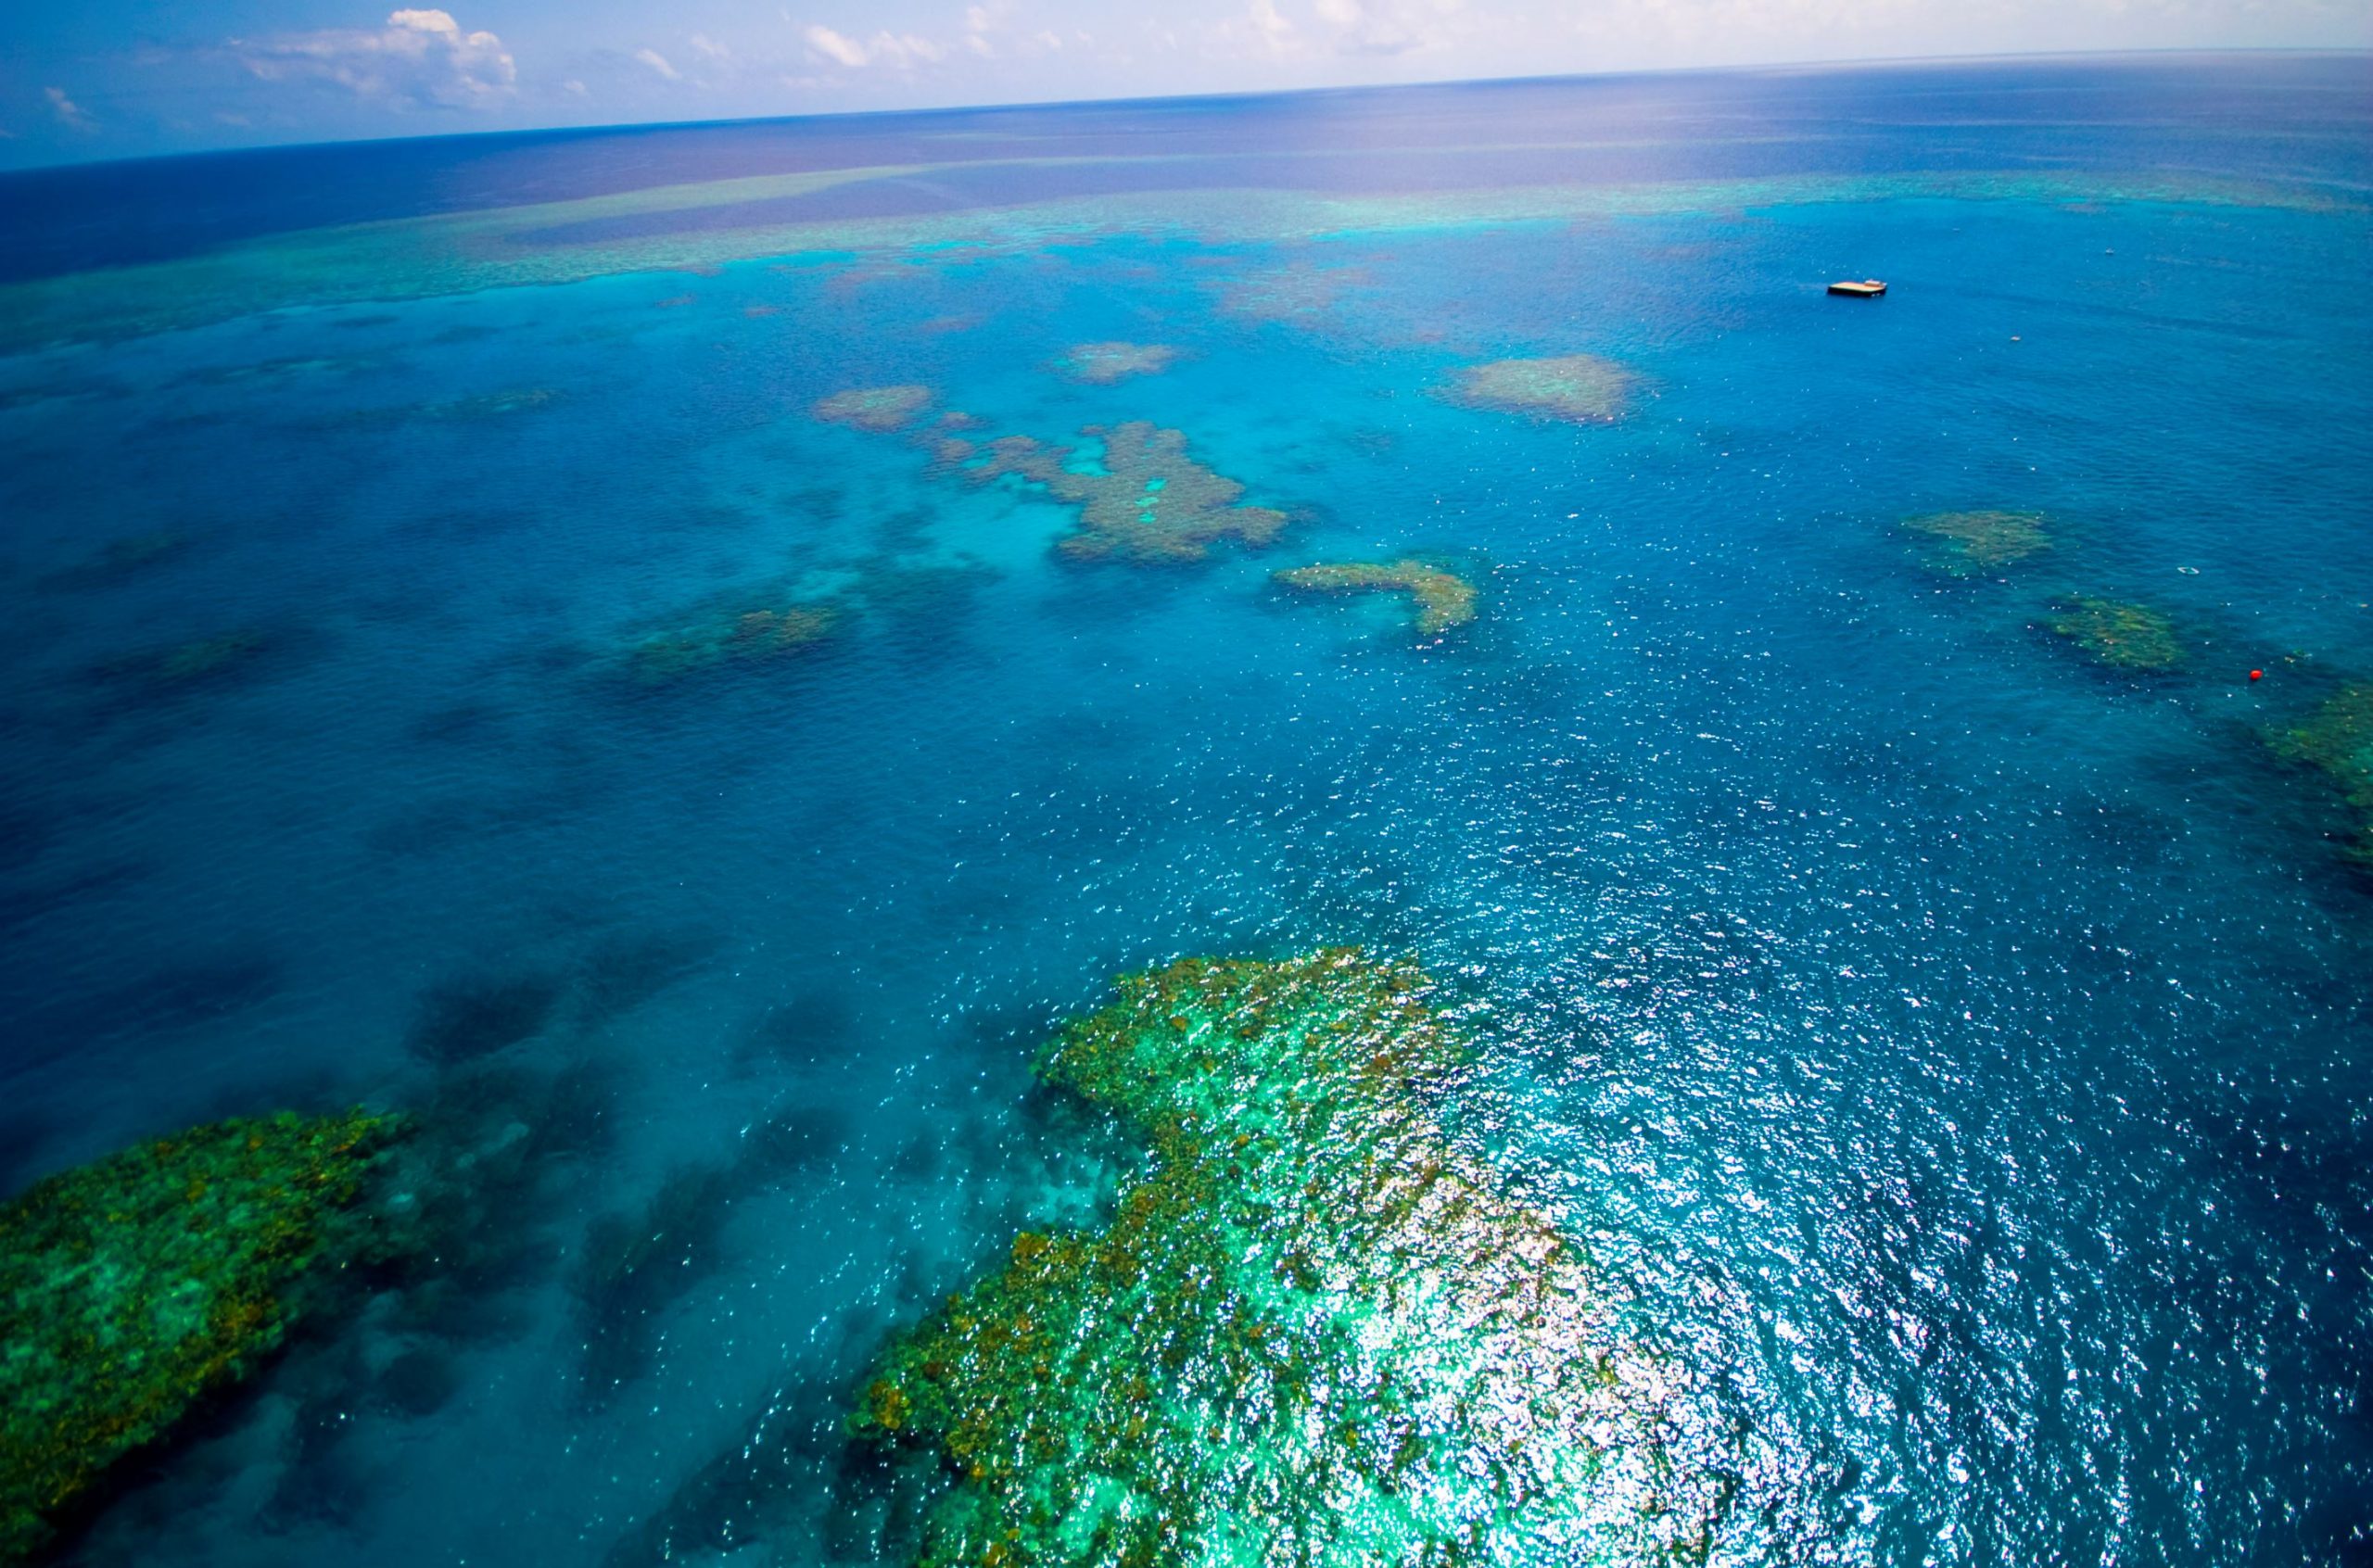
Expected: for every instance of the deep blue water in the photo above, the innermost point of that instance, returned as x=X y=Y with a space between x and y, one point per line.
x=1961 y=1047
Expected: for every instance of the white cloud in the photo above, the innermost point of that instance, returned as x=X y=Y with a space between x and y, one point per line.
x=70 y=113
x=658 y=62
x=709 y=48
x=981 y=21
x=839 y=46
x=421 y=58
x=1391 y=27
x=900 y=50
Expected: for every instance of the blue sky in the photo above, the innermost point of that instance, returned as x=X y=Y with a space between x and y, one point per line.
x=117 y=78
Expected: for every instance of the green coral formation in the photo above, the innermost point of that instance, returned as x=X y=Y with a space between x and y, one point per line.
x=1577 y=388
x=874 y=407
x=1444 y=600
x=1101 y=364
x=1150 y=503
x=133 y=1288
x=2338 y=737
x=1963 y=544
x=1315 y=1330
x=2124 y=637
x=730 y=637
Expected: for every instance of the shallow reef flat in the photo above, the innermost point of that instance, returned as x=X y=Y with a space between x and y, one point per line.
x=1315 y=1330
x=1150 y=504
x=1103 y=364
x=570 y=241
x=1576 y=389
x=1441 y=600
x=1965 y=544
x=2338 y=738
x=2124 y=637
x=133 y=1288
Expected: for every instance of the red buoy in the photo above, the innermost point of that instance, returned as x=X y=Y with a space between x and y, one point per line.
x=2257 y=674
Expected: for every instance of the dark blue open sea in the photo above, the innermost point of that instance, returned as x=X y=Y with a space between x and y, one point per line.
x=459 y=657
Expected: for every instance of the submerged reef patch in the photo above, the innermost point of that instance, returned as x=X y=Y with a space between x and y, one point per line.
x=727 y=637
x=874 y=407
x=134 y=1287
x=1150 y=503
x=1963 y=544
x=1577 y=388
x=2338 y=738
x=1296 y=291
x=1443 y=600
x=183 y=665
x=490 y=405
x=2124 y=637
x=1101 y=364
x=122 y=558
x=1316 y=1330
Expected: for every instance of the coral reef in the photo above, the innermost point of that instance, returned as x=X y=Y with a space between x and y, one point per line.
x=1577 y=388
x=874 y=407
x=1150 y=503
x=1963 y=544
x=2125 y=636
x=2338 y=737
x=133 y=1288
x=731 y=635
x=1101 y=364
x=1315 y=1330
x=1443 y=600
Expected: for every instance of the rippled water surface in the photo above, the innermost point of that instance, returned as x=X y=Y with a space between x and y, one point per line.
x=475 y=664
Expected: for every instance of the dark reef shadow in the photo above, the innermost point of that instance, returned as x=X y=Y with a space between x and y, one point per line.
x=173 y=996
x=462 y=724
x=24 y=906
x=804 y=1030
x=621 y=973
x=23 y=836
x=470 y=1017
x=795 y=1481
x=633 y=1266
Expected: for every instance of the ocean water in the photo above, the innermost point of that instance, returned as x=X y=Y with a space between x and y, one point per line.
x=1954 y=1047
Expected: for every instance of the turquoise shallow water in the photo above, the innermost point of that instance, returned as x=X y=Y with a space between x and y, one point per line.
x=1956 y=1046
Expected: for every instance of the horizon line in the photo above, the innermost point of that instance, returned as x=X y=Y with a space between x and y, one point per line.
x=1122 y=100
